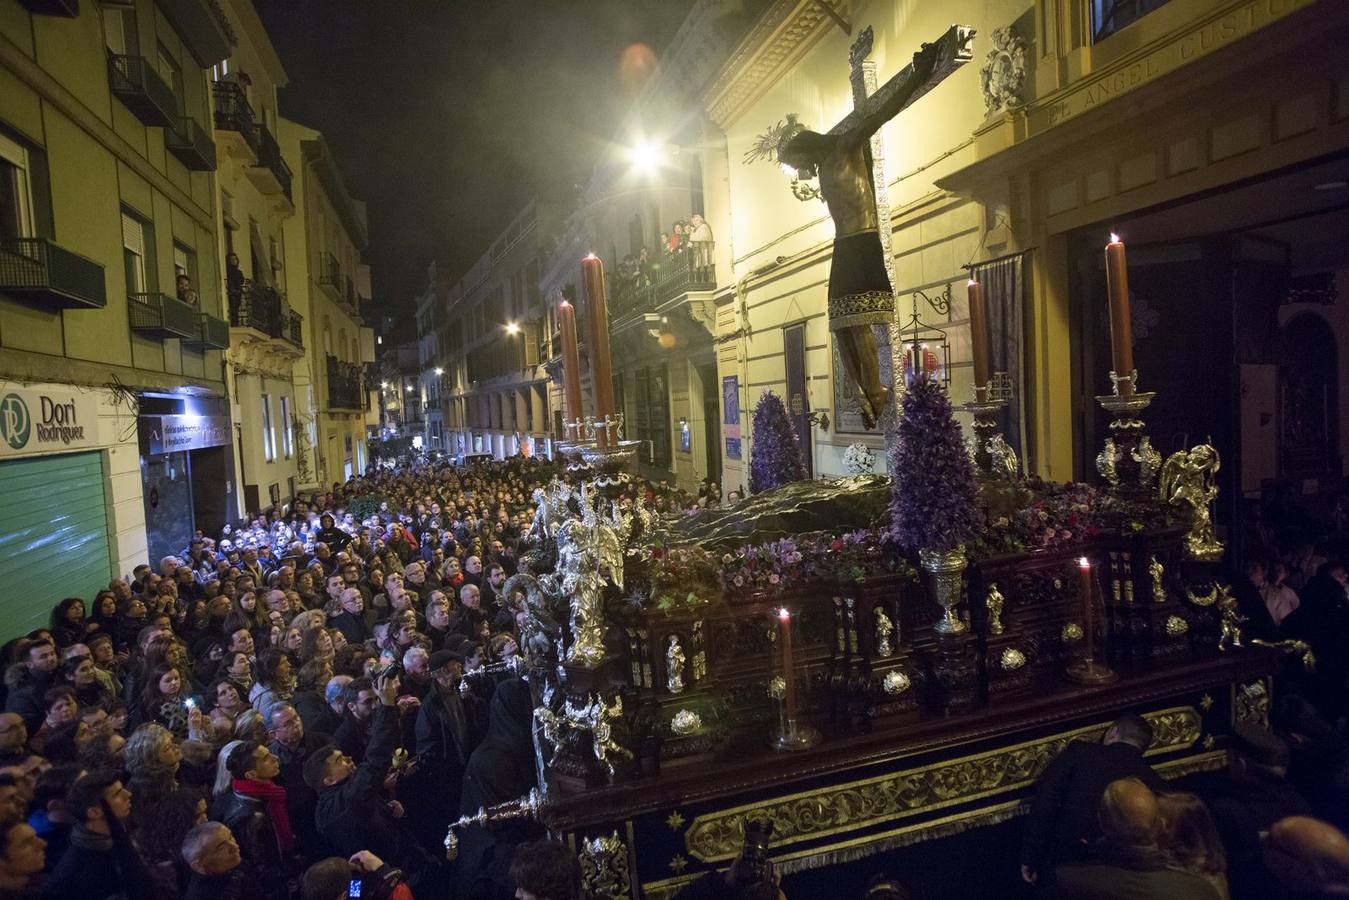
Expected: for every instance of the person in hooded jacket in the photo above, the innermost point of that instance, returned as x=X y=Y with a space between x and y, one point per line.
x=500 y=770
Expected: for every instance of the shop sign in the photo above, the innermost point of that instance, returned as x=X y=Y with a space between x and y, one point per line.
x=45 y=421
x=169 y=434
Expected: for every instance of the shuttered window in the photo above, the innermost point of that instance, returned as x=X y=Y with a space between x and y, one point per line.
x=133 y=253
x=53 y=537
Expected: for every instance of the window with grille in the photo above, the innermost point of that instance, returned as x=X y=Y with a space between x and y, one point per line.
x=285 y=426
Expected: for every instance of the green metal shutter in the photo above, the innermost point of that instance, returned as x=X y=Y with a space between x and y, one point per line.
x=53 y=537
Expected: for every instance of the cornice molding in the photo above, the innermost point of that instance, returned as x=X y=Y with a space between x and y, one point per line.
x=783 y=34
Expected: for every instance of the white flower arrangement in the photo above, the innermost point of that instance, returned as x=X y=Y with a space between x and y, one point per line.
x=858 y=459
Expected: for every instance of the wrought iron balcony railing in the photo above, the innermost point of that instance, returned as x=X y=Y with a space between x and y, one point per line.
x=234 y=114
x=344 y=384
x=192 y=145
x=43 y=271
x=160 y=315
x=136 y=83
x=637 y=288
x=269 y=158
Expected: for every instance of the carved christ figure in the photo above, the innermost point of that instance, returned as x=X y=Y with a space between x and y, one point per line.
x=859 y=289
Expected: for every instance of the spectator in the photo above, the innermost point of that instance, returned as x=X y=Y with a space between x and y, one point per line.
x=546 y=870
x=1309 y=858
x=1190 y=838
x=1063 y=816
x=101 y=861
x=258 y=817
x=214 y=857
x=22 y=858
x=1127 y=864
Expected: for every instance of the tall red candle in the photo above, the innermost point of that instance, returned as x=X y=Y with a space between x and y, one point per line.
x=571 y=363
x=601 y=371
x=979 y=339
x=1088 y=608
x=788 y=666
x=1121 y=327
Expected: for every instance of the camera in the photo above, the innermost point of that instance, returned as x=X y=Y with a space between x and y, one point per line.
x=754 y=866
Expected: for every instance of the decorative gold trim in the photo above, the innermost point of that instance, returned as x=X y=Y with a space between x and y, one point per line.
x=1250 y=703
x=811 y=815
x=956 y=823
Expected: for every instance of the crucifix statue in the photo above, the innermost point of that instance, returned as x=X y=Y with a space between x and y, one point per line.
x=860 y=291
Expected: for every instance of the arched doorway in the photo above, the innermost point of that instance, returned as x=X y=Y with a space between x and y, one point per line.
x=1309 y=421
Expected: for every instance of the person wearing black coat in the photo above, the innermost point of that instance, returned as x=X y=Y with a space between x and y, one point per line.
x=245 y=812
x=213 y=855
x=353 y=812
x=330 y=534
x=33 y=677
x=501 y=769
x=1063 y=816
x=101 y=860
x=449 y=725
x=293 y=744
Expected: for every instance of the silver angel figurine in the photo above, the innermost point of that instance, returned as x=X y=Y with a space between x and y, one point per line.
x=884 y=629
x=1105 y=462
x=674 y=666
x=1191 y=479
x=993 y=603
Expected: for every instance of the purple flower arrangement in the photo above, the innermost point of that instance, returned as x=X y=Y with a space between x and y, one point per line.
x=774 y=453
x=932 y=483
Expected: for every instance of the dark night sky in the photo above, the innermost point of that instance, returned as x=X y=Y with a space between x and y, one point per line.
x=448 y=115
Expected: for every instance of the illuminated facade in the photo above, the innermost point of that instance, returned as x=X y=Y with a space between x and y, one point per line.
x=107 y=156
x=1206 y=133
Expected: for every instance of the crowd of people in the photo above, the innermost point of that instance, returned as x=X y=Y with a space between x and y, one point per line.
x=298 y=706
x=1105 y=826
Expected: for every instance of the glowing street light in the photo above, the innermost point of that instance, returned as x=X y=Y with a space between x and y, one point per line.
x=408 y=389
x=439 y=370
x=646 y=156
x=512 y=328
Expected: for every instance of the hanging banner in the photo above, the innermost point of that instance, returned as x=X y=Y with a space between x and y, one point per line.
x=34 y=421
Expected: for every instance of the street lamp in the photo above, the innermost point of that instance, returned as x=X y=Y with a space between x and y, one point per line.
x=512 y=328
x=439 y=370
x=408 y=388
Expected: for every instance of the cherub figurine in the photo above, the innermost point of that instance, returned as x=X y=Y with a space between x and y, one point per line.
x=1231 y=619
x=884 y=629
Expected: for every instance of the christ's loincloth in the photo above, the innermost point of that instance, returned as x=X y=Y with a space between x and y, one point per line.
x=859 y=287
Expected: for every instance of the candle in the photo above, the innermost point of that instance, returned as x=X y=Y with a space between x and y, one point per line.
x=601 y=377
x=979 y=339
x=1121 y=328
x=788 y=667
x=571 y=364
x=1088 y=608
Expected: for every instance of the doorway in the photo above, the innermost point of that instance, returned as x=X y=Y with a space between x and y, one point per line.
x=798 y=398
x=707 y=376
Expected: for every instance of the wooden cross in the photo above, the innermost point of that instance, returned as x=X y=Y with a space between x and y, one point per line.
x=954 y=50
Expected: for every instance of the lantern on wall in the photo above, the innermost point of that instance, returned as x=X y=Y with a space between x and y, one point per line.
x=924 y=347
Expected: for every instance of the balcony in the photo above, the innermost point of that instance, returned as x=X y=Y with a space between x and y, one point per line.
x=271 y=175
x=191 y=144
x=235 y=131
x=140 y=88
x=330 y=275
x=344 y=385
x=159 y=315
x=633 y=290
x=295 y=329
x=42 y=272
x=68 y=8
x=214 y=335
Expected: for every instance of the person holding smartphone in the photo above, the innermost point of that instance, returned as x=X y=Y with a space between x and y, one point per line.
x=353 y=813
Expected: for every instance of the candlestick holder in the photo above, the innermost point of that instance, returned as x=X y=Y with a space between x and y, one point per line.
x=793 y=735
x=609 y=465
x=993 y=458
x=1128 y=462
x=1089 y=669
x=578 y=438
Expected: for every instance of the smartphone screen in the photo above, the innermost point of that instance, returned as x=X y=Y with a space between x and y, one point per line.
x=354 y=888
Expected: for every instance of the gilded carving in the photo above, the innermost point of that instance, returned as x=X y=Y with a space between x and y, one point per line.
x=604 y=867
x=1250 y=703
x=811 y=815
x=1011 y=659
x=1004 y=72
x=1190 y=479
